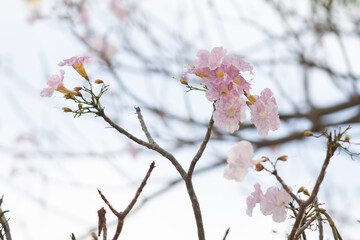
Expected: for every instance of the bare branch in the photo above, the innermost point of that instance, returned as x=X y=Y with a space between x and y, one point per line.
x=201 y=149
x=143 y=126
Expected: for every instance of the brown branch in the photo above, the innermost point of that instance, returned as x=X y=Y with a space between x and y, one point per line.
x=196 y=208
x=154 y=147
x=143 y=126
x=102 y=223
x=73 y=237
x=286 y=187
x=201 y=149
x=331 y=148
x=122 y=215
x=305 y=226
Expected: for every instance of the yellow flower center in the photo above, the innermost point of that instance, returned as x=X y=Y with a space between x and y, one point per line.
x=201 y=74
x=231 y=112
x=236 y=81
x=220 y=73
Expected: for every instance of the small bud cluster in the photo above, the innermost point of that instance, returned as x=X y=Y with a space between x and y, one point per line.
x=55 y=83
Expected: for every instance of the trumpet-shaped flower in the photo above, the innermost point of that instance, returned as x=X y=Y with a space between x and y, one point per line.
x=55 y=82
x=239 y=161
x=274 y=203
x=264 y=113
x=78 y=64
x=229 y=112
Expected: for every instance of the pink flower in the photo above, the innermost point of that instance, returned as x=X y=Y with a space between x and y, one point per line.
x=217 y=91
x=239 y=161
x=55 y=82
x=264 y=113
x=78 y=64
x=211 y=60
x=229 y=112
x=220 y=72
x=240 y=64
x=274 y=202
x=255 y=198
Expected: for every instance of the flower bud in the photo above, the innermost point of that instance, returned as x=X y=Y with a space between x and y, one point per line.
x=80 y=106
x=259 y=167
x=69 y=96
x=308 y=133
x=306 y=192
x=183 y=81
x=301 y=189
x=76 y=89
x=347 y=139
x=282 y=158
x=98 y=81
x=65 y=109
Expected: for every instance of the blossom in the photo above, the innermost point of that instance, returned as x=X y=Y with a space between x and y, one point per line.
x=55 y=82
x=239 y=161
x=211 y=60
x=274 y=202
x=78 y=64
x=255 y=198
x=229 y=112
x=264 y=113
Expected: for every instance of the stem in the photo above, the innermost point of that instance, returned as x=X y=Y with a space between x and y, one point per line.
x=196 y=208
x=185 y=176
x=5 y=225
x=202 y=148
x=331 y=148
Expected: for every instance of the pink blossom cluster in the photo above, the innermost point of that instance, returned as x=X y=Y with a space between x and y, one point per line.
x=55 y=83
x=221 y=76
x=273 y=202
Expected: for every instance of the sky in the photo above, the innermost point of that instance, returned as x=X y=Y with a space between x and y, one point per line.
x=52 y=164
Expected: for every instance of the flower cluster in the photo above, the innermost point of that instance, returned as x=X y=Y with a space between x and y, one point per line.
x=220 y=75
x=273 y=202
x=55 y=82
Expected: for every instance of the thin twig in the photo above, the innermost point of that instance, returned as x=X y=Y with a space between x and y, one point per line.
x=286 y=187
x=72 y=237
x=143 y=126
x=226 y=233
x=154 y=147
x=305 y=226
x=331 y=148
x=201 y=149
x=102 y=223
x=113 y=210
x=122 y=215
